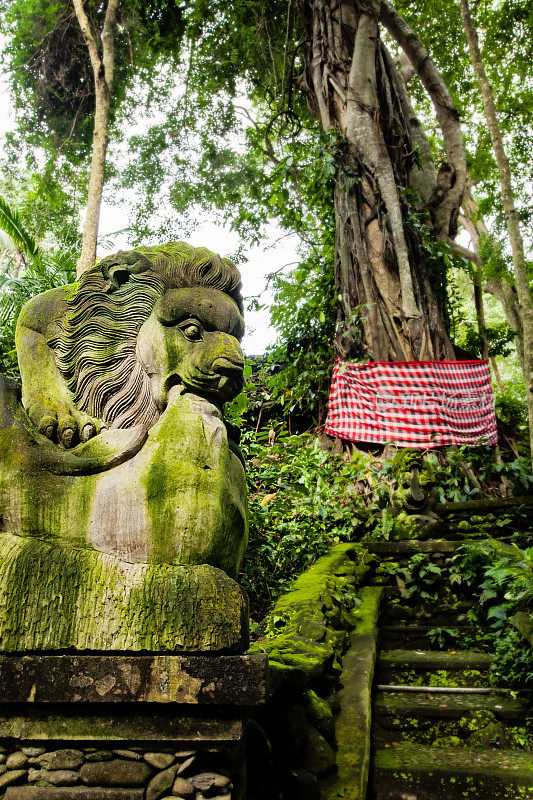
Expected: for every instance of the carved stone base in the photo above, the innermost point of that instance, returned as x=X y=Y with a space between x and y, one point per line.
x=56 y=597
x=105 y=727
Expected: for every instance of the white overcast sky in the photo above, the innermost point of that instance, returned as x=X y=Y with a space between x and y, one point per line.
x=261 y=261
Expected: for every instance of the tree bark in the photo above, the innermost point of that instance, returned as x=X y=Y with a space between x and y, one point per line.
x=103 y=70
x=517 y=244
x=389 y=309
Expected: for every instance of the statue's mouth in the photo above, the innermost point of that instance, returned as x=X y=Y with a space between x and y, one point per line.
x=218 y=386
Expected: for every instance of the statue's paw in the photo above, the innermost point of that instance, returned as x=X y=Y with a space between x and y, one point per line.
x=64 y=424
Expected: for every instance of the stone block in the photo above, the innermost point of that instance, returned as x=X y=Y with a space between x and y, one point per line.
x=71 y=793
x=116 y=725
x=105 y=678
x=117 y=772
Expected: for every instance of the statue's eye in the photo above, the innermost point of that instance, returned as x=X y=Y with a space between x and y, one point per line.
x=192 y=330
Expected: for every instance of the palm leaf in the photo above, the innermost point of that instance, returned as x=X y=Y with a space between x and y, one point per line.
x=11 y=223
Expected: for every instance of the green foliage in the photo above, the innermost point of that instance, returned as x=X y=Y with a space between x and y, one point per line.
x=512 y=411
x=53 y=82
x=302 y=500
x=11 y=223
x=499 y=338
x=513 y=662
x=462 y=473
x=422 y=577
x=496 y=264
x=500 y=579
x=39 y=269
x=504 y=29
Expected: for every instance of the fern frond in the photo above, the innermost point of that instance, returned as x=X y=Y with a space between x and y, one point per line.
x=11 y=223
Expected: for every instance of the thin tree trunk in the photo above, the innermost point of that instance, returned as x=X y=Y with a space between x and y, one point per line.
x=103 y=70
x=480 y=312
x=502 y=289
x=511 y=215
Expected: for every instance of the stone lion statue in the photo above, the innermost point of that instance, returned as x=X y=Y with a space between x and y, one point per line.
x=106 y=350
x=116 y=446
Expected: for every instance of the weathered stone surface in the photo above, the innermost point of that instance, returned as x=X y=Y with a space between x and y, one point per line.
x=105 y=678
x=11 y=777
x=300 y=651
x=123 y=496
x=116 y=726
x=318 y=756
x=32 y=752
x=161 y=783
x=55 y=777
x=56 y=344
x=127 y=754
x=159 y=760
x=100 y=755
x=206 y=782
x=16 y=760
x=74 y=793
x=117 y=772
x=60 y=759
x=184 y=766
x=353 y=724
x=107 y=604
x=320 y=714
x=182 y=787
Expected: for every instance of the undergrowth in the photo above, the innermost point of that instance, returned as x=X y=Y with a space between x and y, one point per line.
x=304 y=499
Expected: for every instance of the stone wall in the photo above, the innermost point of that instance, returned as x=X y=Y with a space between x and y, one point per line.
x=292 y=741
x=119 y=727
x=140 y=774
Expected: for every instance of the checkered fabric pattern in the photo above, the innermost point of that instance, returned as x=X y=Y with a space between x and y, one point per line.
x=413 y=403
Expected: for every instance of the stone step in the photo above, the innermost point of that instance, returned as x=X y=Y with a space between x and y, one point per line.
x=434 y=668
x=480 y=729
x=411 y=546
x=447 y=706
x=432 y=614
x=410 y=770
x=417 y=636
x=452 y=660
x=482 y=507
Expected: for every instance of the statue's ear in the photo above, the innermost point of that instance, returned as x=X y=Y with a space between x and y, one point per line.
x=118 y=268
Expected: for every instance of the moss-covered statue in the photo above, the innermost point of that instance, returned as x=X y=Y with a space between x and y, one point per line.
x=122 y=495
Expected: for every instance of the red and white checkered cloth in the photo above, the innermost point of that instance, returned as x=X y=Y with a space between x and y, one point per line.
x=413 y=403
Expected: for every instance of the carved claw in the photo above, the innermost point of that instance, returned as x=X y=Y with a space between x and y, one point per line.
x=66 y=437
x=87 y=432
x=47 y=426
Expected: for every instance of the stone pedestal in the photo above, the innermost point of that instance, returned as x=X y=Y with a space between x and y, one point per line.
x=126 y=727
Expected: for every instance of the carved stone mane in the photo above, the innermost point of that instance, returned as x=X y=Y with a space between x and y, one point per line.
x=95 y=342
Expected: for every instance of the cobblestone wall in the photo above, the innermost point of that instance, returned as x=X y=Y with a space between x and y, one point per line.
x=167 y=773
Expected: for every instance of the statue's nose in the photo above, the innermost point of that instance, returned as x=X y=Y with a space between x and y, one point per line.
x=229 y=356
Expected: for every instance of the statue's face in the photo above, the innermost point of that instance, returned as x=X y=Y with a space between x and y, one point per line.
x=192 y=338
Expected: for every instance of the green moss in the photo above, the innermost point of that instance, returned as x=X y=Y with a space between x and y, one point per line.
x=319 y=714
x=55 y=597
x=195 y=491
x=302 y=629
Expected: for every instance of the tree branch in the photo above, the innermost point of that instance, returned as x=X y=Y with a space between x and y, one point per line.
x=88 y=35
x=443 y=103
x=108 y=41
x=464 y=252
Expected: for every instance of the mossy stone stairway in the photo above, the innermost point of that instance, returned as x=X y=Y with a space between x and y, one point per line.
x=441 y=731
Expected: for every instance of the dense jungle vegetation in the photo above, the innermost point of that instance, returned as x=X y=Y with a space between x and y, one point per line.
x=333 y=122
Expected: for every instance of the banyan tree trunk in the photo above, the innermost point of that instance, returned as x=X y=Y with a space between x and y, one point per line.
x=390 y=306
